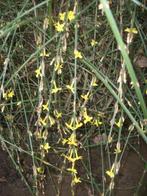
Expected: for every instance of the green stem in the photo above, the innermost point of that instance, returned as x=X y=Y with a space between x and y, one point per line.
x=124 y=53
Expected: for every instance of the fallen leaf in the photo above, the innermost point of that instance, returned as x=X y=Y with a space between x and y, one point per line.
x=3 y=179
x=141 y=62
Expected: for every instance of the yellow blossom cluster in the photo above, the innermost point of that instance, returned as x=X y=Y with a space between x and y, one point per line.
x=45 y=146
x=72 y=157
x=74 y=124
x=86 y=117
x=71 y=140
x=58 y=67
x=46 y=120
x=70 y=15
x=86 y=96
x=8 y=94
x=55 y=89
x=64 y=17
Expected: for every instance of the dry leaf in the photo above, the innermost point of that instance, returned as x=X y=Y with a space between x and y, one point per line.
x=3 y=179
x=141 y=62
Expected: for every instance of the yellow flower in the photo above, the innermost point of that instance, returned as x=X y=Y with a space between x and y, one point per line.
x=73 y=155
x=71 y=87
x=41 y=134
x=117 y=150
x=52 y=121
x=38 y=72
x=62 y=16
x=9 y=94
x=71 y=15
x=86 y=97
x=64 y=141
x=69 y=126
x=44 y=54
x=43 y=122
x=71 y=159
x=131 y=30
x=77 y=54
x=93 y=82
x=55 y=89
x=119 y=123
x=76 y=180
x=40 y=170
x=58 y=68
x=110 y=139
x=96 y=122
x=87 y=118
x=74 y=124
x=110 y=173
x=93 y=42
x=45 y=106
x=59 y=26
x=72 y=140
x=45 y=146
x=72 y=170
x=57 y=114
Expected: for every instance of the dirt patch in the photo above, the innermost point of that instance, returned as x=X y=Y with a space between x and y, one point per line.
x=10 y=181
x=131 y=172
x=126 y=183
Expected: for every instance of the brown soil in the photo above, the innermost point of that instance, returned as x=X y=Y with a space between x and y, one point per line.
x=126 y=182
x=131 y=172
x=10 y=182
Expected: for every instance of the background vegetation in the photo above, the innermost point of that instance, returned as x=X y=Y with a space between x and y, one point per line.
x=72 y=79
